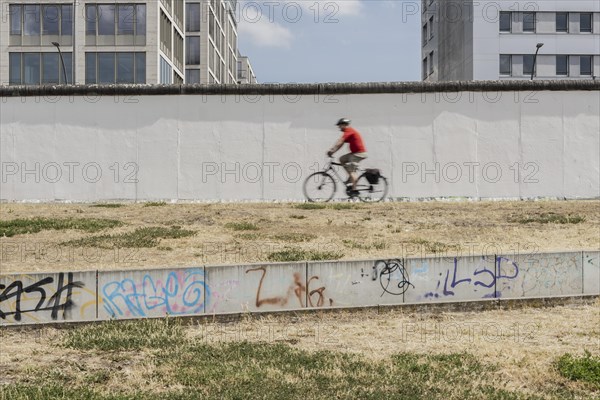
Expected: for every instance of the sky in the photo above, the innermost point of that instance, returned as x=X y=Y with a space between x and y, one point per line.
x=308 y=41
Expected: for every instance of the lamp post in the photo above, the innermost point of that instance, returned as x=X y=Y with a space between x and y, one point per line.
x=538 y=46
x=62 y=61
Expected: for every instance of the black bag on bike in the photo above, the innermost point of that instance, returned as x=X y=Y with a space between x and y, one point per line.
x=373 y=175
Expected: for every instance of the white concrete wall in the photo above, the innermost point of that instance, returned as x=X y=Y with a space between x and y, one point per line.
x=205 y=290
x=199 y=147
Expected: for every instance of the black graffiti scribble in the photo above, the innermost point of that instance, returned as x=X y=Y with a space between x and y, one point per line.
x=16 y=289
x=385 y=277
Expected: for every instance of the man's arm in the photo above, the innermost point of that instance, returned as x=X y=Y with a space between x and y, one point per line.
x=336 y=146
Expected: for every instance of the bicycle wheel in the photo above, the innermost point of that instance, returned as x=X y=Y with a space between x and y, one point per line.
x=319 y=187
x=371 y=192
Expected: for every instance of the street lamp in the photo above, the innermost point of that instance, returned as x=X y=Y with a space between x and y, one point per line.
x=62 y=61
x=538 y=46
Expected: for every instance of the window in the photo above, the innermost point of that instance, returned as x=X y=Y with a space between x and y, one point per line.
x=585 y=65
x=31 y=20
x=16 y=19
x=166 y=34
x=192 y=76
x=424 y=68
x=431 y=63
x=110 y=68
x=192 y=17
x=505 y=21
x=562 y=22
x=50 y=19
x=562 y=65
x=39 y=68
x=110 y=24
x=505 y=64
x=424 y=35
x=529 y=22
x=527 y=64
x=431 y=28
x=585 y=22
x=192 y=51
x=166 y=72
x=28 y=24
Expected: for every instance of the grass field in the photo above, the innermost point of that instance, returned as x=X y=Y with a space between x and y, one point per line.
x=549 y=353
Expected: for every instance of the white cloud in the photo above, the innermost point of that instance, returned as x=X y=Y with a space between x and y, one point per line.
x=330 y=8
x=265 y=34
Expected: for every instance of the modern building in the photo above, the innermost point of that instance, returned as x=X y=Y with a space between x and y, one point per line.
x=245 y=73
x=470 y=40
x=156 y=42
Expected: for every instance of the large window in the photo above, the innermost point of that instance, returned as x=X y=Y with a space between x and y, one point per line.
x=39 y=68
x=562 y=22
x=529 y=22
x=505 y=21
x=424 y=35
x=527 y=64
x=431 y=63
x=166 y=72
x=585 y=65
x=192 y=76
x=562 y=65
x=585 y=22
x=192 y=51
x=424 y=68
x=505 y=64
x=110 y=24
x=35 y=24
x=431 y=28
x=192 y=17
x=111 y=68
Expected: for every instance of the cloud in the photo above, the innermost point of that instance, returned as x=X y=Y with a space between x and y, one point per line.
x=263 y=33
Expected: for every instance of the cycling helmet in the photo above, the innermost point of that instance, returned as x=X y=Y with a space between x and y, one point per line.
x=343 y=121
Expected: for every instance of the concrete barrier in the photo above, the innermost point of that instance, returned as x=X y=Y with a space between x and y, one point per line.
x=267 y=287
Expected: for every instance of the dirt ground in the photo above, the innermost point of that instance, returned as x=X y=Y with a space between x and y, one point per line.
x=349 y=230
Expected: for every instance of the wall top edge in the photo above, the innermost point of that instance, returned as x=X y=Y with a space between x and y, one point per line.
x=309 y=88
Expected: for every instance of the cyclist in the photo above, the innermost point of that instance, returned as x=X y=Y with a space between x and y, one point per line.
x=358 y=152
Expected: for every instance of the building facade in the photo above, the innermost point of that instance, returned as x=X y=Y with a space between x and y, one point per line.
x=131 y=42
x=467 y=40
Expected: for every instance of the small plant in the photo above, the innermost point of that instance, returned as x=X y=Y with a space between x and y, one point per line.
x=242 y=226
x=547 y=218
x=294 y=237
x=310 y=206
x=303 y=255
x=38 y=224
x=165 y=248
x=585 y=368
x=141 y=237
x=155 y=204
x=344 y=206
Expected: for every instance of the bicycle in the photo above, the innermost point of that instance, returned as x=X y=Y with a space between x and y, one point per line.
x=321 y=186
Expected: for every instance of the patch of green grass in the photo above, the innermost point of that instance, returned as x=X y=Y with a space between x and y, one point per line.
x=155 y=204
x=34 y=225
x=297 y=216
x=356 y=245
x=303 y=255
x=585 y=368
x=126 y=335
x=433 y=247
x=249 y=236
x=141 y=237
x=242 y=226
x=108 y=205
x=294 y=237
x=310 y=206
x=547 y=218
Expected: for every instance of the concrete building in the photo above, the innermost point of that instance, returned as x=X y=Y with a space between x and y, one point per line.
x=245 y=73
x=470 y=40
x=131 y=42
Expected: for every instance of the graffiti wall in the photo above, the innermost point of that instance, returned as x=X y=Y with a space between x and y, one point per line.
x=104 y=295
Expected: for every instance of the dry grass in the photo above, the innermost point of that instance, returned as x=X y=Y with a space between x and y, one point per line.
x=355 y=231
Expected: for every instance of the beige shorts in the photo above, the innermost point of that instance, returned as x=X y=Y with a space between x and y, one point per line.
x=350 y=161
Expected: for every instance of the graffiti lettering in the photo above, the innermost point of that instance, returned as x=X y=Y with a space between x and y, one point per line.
x=56 y=303
x=392 y=270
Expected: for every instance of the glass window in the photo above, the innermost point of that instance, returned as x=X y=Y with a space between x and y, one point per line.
x=50 y=19
x=140 y=20
x=14 y=73
x=585 y=65
x=430 y=27
x=529 y=22
x=68 y=57
x=51 y=68
x=431 y=63
x=90 y=19
x=90 y=68
x=562 y=22
x=505 y=21
x=31 y=68
x=192 y=51
x=585 y=22
x=106 y=19
x=66 y=27
x=424 y=68
x=140 y=67
x=562 y=65
x=16 y=17
x=424 y=34
x=106 y=68
x=192 y=17
x=505 y=64
x=125 y=20
x=192 y=76
x=125 y=68
x=31 y=24
x=527 y=64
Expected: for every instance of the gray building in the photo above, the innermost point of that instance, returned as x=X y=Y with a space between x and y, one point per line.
x=467 y=40
x=118 y=42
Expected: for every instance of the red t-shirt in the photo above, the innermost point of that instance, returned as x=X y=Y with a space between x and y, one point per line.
x=353 y=138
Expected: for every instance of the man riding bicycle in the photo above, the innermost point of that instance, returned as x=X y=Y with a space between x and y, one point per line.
x=358 y=151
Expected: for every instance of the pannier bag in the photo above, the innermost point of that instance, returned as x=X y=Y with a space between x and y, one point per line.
x=373 y=175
